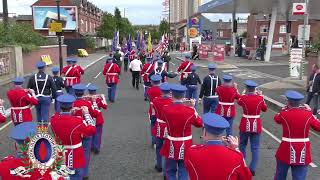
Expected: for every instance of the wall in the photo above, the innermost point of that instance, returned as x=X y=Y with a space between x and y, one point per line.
x=30 y=59
x=7 y=64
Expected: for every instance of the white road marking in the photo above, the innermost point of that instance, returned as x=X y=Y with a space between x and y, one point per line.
x=88 y=84
x=95 y=61
x=172 y=63
x=6 y=125
x=97 y=75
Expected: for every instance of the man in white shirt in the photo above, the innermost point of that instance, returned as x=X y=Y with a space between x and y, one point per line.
x=135 y=67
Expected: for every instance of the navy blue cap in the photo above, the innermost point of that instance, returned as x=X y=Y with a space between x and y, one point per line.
x=79 y=87
x=293 y=95
x=165 y=87
x=23 y=131
x=40 y=64
x=66 y=100
x=18 y=80
x=214 y=123
x=178 y=89
x=160 y=61
x=55 y=69
x=149 y=59
x=92 y=88
x=187 y=56
x=74 y=60
x=109 y=58
x=227 y=78
x=69 y=59
x=250 y=83
x=212 y=66
x=193 y=68
x=156 y=78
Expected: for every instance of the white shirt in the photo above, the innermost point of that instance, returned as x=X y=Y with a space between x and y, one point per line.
x=122 y=55
x=135 y=65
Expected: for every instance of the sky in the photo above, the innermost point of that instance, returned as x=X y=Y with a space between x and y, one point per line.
x=138 y=11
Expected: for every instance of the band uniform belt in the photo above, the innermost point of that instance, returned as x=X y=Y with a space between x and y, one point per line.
x=111 y=74
x=211 y=96
x=20 y=108
x=226 y=104
x=179 y=138
x=41 y=95
x=251 y=116
x=76 y=146
x=70 y=77
x=58 y=91
x=160 y=121
x=295 y=139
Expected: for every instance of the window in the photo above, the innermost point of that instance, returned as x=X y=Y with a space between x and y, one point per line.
x=264 y=29
x=220 y=33
x=86 y=26
x=283 y=29
x=90 y=27
x=280 y=39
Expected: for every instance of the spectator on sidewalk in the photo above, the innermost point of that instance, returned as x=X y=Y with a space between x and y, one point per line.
x=316 y=91
x=135 y=67
x=312 y=76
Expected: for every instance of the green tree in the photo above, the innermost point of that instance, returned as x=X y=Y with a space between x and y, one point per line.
x=107 y=27
x=164 y=27
x=118 y=18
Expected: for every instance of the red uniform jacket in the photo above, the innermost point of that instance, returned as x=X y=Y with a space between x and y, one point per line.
x=72 y=75
x=252 y=106
x=111 y=71
x=97 y=105
x=82 y=102
x=185 y=69
x=227 y=95
x=2 y=115
x=179 y=119
x=209 y=162
x=70 y=130
x=131 y=55
x=160 y=128
x=21 y=102
x=295 y=146
x=146 y=70
x=81 y=71
x=152 y=93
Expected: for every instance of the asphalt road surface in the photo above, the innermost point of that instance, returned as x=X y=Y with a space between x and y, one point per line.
x=126 y=148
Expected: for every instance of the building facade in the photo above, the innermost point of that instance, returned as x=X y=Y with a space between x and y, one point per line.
x=88 y=17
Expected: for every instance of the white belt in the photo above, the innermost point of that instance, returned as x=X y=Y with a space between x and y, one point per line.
x=226 y=104
x=295 y=139
x=251 y=116
x=112 y=73
x=73 y=146
x=41 y=95
x=179 y=138
x=187 y=72
x=71 y=77
x=20 y=108
x=59 y=91
x=211 y=96
x=160 y=121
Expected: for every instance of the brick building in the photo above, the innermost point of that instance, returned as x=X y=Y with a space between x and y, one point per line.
x=258 y=28
x=88 y=17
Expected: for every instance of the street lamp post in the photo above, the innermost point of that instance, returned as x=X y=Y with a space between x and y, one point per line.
x=59 y=38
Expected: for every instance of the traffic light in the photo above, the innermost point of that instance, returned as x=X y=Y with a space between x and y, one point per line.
x=235 y=26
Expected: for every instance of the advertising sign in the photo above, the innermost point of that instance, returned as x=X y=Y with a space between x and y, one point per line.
x=299 y=8
x=194 y=27
x=182 y=47
x=204 y=50
x=43 y=16
x=296 y=56
x=307 y=33
x=218 y=52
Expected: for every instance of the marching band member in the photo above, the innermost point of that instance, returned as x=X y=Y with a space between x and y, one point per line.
x=146 y=70
x=98 y=103
x=295 y=149
x=45 y=89
x=71 y=75
x=219 y=157
x=79 y=68
x=21 y=101
x=2 y=112
x=179 y=119
x=160 y=69
x=111 y=71
x=192 y=82
x=59 y=85
x=185 y=69
x=227 y=93
x=252 y=104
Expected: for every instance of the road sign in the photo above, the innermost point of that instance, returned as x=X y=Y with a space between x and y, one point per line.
x=307 y=33
x=182 y=47
x=296 y=56
x=299 y=8
x=55 y=27
x=218 y=52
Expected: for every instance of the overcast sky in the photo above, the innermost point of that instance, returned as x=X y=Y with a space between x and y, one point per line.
x=138 y=11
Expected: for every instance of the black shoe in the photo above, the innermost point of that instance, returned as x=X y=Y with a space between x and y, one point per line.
x=85 y=178
x=164 y=178
x=253 y=172
x=96 y=152
x=145 y=99
x=158 y=169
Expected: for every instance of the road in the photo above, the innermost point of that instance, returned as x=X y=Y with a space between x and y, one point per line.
x=127 y=153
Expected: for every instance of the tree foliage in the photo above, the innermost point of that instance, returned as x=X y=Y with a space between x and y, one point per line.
x=164 y=27
x=107 y=26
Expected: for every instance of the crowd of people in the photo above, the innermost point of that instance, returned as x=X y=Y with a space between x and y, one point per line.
x=78 y=121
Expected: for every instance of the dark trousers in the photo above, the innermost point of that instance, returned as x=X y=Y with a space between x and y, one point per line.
x=135 y=79
x=125 y=67
x=299 y=172
x=309 y=97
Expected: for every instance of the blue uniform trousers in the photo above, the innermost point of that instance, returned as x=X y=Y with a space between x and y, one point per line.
x=96 y=139
x=299 y=172
x=86 y=144
x=146 y=87
x=172 y=166
x=153 y=120
x=56 y=103
x=254 y=144
x=160 y=160
x=229 y=129
x=43 y=108
x=78 y=174
x=193 y=93
x=70 y=90
x=210 y=104
x=112 y=87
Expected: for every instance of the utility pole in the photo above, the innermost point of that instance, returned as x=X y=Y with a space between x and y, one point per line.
x=305 y=23
x=169 y=35
x=5 y=18
x=59 y=38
